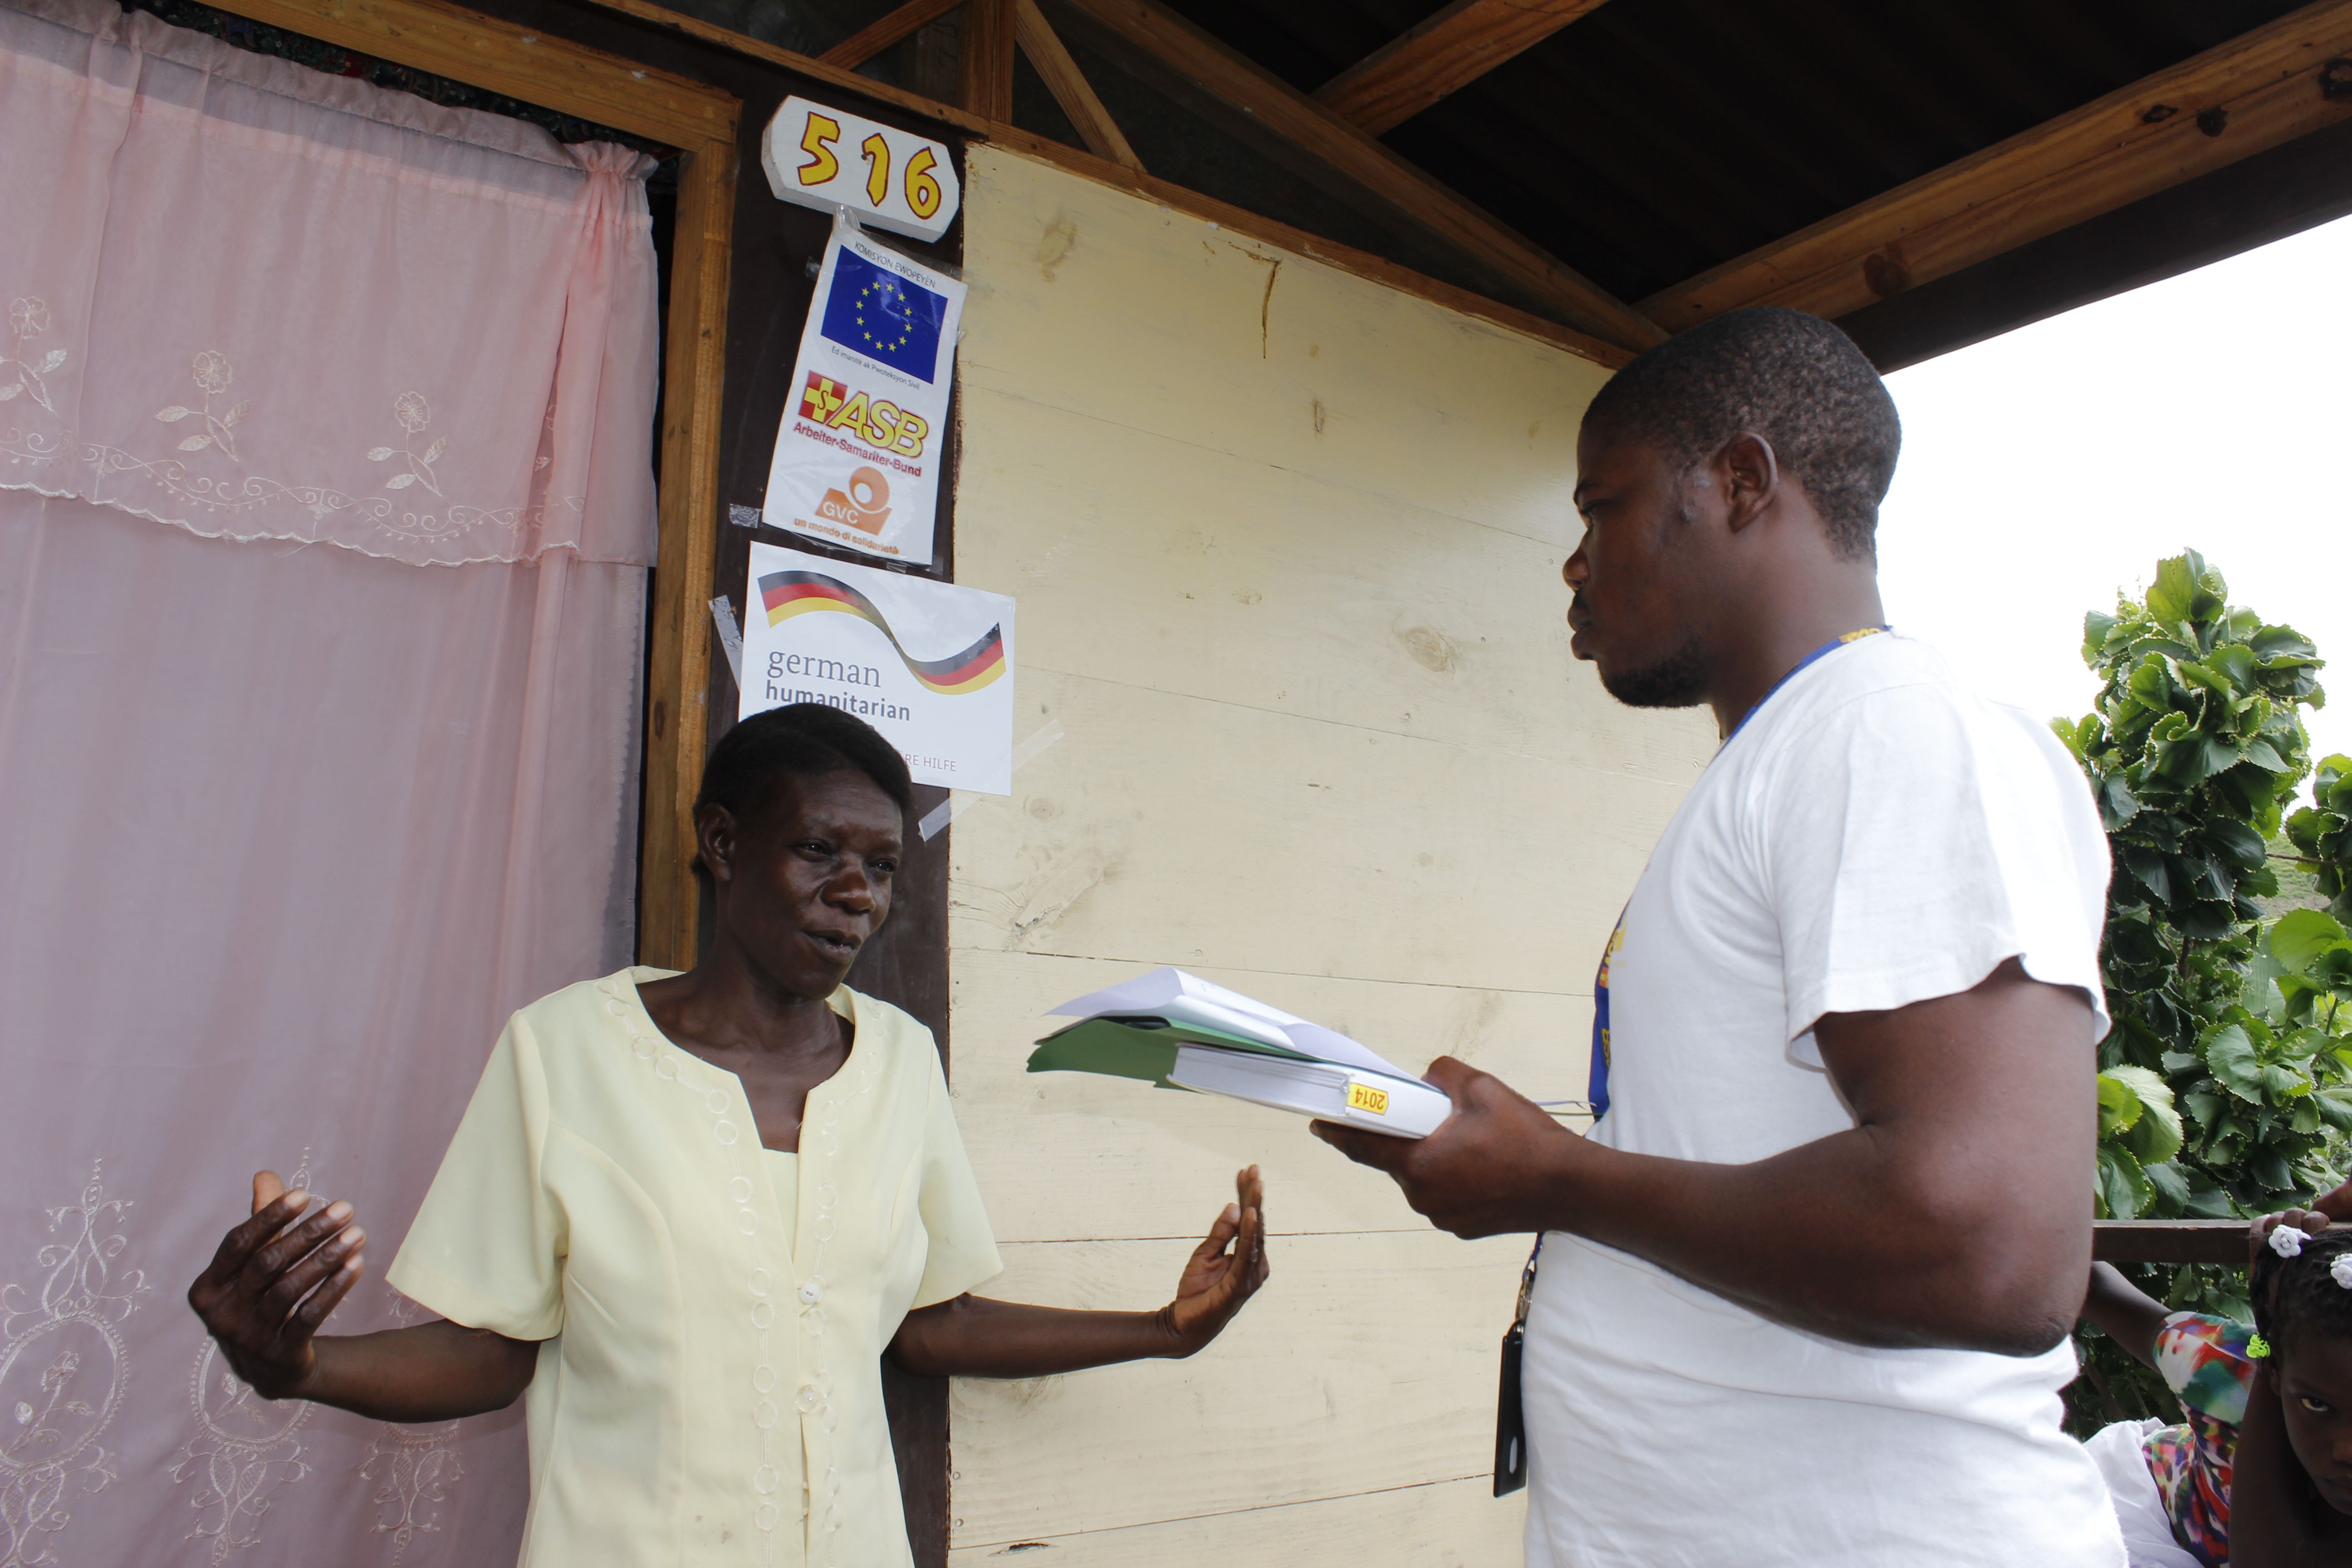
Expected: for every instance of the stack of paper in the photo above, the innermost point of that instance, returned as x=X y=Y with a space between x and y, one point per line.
x=1178 y=1031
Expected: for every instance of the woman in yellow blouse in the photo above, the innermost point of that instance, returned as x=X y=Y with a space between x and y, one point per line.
x=686 y=1215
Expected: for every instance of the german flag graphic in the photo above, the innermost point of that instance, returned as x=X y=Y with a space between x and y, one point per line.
x=789 y=594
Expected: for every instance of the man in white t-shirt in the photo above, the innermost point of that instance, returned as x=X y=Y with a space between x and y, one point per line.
x=1803 y=1294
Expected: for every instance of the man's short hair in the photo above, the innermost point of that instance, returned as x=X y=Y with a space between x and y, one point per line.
x=1794 y=379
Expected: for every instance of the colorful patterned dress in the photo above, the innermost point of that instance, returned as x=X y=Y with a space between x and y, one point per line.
x=2204 y=1359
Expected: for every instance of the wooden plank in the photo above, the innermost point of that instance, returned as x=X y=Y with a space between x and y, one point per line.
x=2260 y=90
x=1333 y=142
x=2169 y=1241
x=1166 y=829
x=501 y=57
x=1207 y=354
x=986 y=59
x=866 y=42
x=678 y=668
x=1165 y=193
x=1068 y=1155
x=1442 y=1524
x=1366 y=1363
x=1070 y=87
x=1293 y=594
x=1363 y=264
x=1441 y=56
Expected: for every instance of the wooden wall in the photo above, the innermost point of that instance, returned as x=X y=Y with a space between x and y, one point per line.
x=1287 y=546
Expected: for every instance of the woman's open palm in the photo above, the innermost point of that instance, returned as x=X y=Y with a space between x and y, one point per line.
x=1227 y=1269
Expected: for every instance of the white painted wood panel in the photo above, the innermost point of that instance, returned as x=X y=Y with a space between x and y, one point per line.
x=1288 y=565
x=1089 y=299
x=1170 y=829
x=1367 y=1362
x=1441 y=1524
x=1071 y=1154
x=1280 y=589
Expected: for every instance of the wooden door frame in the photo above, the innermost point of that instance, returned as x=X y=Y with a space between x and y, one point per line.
x=699 y=121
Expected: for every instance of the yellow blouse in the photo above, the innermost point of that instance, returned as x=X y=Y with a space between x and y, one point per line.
x=709 y=1386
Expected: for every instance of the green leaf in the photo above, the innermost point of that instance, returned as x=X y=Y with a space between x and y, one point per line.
x=2235 y=662
x=2174 y=593
x=2095 y=627
x=2171 y=1184
x=2334 y=1106
x=2282 y=642
x=2231 y=1057
x=2237 y=844
x=2155 y=1135
x=2123 y=1188
x=2302 y=937
x=2119 y=1105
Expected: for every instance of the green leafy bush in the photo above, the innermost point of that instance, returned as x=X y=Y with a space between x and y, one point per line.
x=2223 y=1085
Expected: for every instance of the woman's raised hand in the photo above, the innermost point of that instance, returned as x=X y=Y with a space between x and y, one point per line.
x=273 y=1282
x=1225 y=1271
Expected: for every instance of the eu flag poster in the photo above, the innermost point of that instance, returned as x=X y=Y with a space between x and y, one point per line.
x=858 y=455
x=874 y=311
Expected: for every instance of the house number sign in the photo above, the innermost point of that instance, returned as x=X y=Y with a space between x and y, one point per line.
x=888 y=178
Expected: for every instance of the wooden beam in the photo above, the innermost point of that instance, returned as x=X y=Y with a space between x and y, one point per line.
x=2169 y=1241
x=868 y=41
x=1069 y=86
x=1441 y=56
x=678 y=685
x=1241 y=221
x=1333 y=144
x=503 y=58
x=2265 y=87
x=986 y=53
x=654 y=14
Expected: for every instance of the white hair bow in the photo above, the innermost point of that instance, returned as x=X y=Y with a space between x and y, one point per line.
x=2287 y=1240
x=2339 y=1269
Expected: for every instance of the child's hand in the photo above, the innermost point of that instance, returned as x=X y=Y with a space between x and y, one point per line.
x=1215 y=1283
x=2310 y=1221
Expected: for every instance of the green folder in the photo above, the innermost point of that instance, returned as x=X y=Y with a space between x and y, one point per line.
x=1136 y=1047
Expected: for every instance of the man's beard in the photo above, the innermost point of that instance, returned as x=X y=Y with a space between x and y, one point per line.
x=1677 y=680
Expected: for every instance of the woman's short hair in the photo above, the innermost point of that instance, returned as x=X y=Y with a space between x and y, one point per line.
x=2298 y=1297
x=799 y=739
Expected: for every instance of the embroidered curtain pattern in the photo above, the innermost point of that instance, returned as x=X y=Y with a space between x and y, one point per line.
x=180 y=347
x=286 y=831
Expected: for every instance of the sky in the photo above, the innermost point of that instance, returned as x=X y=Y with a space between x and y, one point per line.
x=2045 y=470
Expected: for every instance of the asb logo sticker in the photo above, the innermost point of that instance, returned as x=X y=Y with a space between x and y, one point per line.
x=877 y=421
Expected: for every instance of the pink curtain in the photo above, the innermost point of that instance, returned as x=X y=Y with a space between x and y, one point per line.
x=285 y=831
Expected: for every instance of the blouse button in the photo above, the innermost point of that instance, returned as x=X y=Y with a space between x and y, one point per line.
x=811 y=1295
x=809 y=1398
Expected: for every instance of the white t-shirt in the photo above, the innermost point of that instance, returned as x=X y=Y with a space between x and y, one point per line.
x=1876 y=835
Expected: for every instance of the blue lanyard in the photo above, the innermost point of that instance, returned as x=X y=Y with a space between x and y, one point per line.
x=1597 y=1085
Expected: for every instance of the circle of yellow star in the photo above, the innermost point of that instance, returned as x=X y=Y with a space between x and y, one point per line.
x=883 y=344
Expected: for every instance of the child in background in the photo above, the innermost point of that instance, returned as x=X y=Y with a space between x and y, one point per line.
x=2260 y=1476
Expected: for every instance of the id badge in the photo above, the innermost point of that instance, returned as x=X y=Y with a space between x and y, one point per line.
x=1510 y=1416
x=1510 y=1419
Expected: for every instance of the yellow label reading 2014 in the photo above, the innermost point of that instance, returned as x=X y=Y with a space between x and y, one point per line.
x=1364 y=1097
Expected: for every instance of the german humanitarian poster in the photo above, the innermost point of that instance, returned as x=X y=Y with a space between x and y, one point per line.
x=929 y=664
x=857 y=455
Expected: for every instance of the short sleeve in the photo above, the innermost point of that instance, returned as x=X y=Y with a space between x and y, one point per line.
x=1918 y=836
x=486 y=1249
x=2203 y=1360
x=962 y=1246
